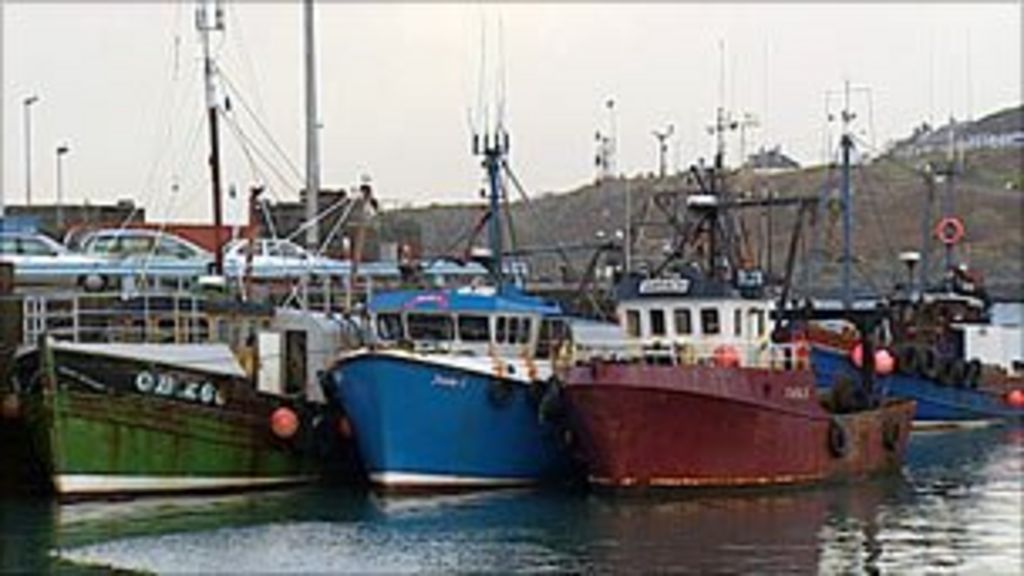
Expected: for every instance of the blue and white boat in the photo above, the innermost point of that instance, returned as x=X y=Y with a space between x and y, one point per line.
x=448 y=392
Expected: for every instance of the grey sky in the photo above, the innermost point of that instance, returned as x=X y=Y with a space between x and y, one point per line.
x=397 y=81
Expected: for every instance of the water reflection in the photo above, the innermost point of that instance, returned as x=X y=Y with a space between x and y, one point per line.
x=957 y=507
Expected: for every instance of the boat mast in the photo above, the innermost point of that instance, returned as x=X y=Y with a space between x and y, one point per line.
x=495 y=147
x=312 y=128
x=210 y=18
x=846 y=143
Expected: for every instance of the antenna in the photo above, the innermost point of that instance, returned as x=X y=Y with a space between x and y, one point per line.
x=662 y=147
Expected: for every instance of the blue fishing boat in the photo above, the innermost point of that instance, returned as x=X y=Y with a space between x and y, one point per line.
x=447 y=393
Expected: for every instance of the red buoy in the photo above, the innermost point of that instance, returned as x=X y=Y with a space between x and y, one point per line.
x=1015 y=398
x=284 y=423
x=857 y=355
x=885 y=362
x=726 y=355
x=344 y=427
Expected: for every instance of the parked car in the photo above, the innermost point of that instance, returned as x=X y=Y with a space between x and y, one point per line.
x=133 y=251
x=41 y=260
x=277 y=258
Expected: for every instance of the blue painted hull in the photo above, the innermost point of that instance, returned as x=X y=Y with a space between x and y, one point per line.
x=419 y=424
x=935 y=402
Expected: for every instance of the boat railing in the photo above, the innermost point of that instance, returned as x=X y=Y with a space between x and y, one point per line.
x=106 y=317
x=765 y=354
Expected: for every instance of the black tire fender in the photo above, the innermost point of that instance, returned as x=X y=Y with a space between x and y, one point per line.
x=838 y=439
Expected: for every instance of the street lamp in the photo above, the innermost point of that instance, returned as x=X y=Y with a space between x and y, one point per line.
x=27 y=103
x=61 y=151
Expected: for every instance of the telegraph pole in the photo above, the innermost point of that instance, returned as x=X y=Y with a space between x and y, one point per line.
x=312 y=133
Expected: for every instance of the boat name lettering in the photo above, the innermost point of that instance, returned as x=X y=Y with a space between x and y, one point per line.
x=447 y=381
x=665 y=286
x=159 y=384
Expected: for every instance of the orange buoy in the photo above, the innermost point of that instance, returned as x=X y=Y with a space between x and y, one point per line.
x=284 y=423
x=726 y=355
x=344 y=427
x=949 y=230
x=1015 y=398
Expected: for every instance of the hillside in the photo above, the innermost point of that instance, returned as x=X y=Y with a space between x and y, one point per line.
x=889 y=200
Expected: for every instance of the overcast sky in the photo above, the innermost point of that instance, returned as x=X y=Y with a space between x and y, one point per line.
x=121 y=85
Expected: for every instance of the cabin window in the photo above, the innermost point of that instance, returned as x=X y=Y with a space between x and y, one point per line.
x=429 y=326
x=709 y=323
x=657 y=322
x=552 y=333
x=633 y=323
x=513 y=329
x=389 y=326
x=683 y=322
x=758 y=316
x=523 y=334
x=501 y=330
x=474 y=328
x=737 y=322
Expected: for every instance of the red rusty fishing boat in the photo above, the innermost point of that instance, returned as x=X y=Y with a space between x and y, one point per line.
x=701 y=395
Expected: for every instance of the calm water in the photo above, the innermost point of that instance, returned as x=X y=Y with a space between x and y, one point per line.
x=958 y=507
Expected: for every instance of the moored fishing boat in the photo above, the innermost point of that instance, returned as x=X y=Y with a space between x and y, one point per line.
x=698 y=393
x=173 y=399
x=447 y=394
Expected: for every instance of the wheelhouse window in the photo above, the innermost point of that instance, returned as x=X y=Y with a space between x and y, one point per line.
x=759 y=324
x=683 y=322
x=551 y=334
x=389 y=326
x=737 y=322
x=474 y=328
x=430 y=326
x=657 y=322
x=523 y=333
x=501 y=330
x=633 y=323
x=709 y=322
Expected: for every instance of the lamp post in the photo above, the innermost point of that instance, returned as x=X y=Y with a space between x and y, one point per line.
x=27 y=104
x=61 y=151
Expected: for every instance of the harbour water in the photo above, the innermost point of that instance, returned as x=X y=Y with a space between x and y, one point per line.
x=956 y=507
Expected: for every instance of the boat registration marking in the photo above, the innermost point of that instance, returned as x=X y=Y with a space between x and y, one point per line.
x=448 y=381
x=167 y=385
x=797 y=393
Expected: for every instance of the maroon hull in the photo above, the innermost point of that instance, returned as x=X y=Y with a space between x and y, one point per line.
x=652 y=425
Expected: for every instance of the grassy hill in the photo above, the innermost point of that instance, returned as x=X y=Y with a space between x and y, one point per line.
x=890 y=196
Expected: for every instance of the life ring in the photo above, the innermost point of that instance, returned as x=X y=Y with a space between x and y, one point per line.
x=838 y=442
x=949 y=230
x=929 y=364
x=952 y=372
x=891 y=435
x=499 y=392
x=972 y=374
x=551 y=408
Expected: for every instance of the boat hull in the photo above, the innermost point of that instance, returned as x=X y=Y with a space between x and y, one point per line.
x=106 y=425
x=425 y=423
x=693 y=426
x=936 y=404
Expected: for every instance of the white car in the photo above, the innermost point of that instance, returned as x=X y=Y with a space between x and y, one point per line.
x=39 y=259
x=153 y=249
x=277 y=258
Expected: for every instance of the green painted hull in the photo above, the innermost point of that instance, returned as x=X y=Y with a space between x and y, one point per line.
x=95 y=434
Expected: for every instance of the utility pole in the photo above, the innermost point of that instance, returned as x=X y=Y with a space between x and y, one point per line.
x=312 y=133
x=662 y=137
x=27 y=103
x=61 y=151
